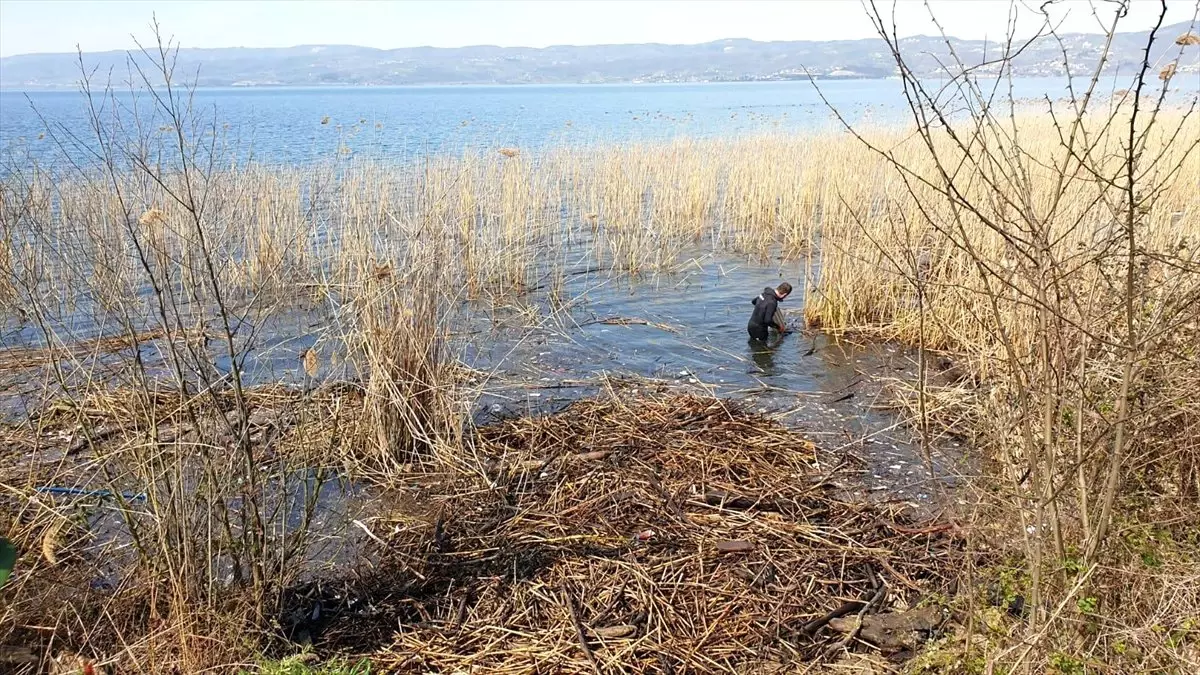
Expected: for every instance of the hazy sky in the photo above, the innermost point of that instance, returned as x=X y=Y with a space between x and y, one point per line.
x=97 y=25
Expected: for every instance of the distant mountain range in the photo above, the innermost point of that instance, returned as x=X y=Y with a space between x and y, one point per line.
x=721 y=61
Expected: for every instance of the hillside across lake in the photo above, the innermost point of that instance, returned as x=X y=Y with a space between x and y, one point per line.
x=720 y=61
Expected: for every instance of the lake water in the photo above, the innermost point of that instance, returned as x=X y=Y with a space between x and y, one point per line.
x=300 y=125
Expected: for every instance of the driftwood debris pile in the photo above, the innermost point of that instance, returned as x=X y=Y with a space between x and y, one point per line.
x=662 y=534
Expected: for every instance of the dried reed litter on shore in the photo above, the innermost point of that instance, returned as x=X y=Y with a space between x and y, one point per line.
x=669 y=534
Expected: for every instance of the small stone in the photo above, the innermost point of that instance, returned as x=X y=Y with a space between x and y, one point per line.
x=894 y=631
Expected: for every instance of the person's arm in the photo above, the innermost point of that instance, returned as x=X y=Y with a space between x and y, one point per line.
x=780 y=323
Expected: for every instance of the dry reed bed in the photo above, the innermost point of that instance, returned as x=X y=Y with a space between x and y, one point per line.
x=636 y=207
x=872 y=253
x=662 y=534
x=916 y=268
x=513 y=221
x=115 y=436
x=112 y=439
x=892 y=270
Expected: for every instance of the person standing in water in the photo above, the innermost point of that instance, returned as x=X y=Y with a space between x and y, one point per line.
x=766 y=311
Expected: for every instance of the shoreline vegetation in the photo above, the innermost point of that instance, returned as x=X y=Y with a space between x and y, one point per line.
x=1042 y=262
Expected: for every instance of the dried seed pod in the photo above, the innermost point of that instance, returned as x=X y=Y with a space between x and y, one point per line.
x=51 y=541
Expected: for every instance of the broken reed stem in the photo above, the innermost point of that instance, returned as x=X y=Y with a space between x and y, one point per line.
x=579 y=631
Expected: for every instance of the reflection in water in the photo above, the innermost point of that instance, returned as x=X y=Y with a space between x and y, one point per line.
x=763 y=353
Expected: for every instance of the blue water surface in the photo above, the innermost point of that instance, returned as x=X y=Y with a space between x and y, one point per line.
x=301 y=125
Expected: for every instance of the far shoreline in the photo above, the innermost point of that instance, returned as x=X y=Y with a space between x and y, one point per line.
x=57 y=88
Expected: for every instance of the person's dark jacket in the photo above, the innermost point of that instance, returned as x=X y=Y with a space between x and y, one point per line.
x=763 y=316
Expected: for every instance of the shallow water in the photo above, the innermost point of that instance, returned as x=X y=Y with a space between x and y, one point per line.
x=325 y=529
x=687 y=331
x=682 y=331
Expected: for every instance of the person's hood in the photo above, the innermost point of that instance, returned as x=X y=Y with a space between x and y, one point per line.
x=767 y=293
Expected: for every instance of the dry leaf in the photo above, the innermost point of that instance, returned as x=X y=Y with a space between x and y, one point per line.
x=846 y=625
x=311 y=364
x=1166 y=73
x=73 y=664
x=152 y=217
x=531 y=465
x=50 y=541
x=615 y=632
x=1188 y=40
